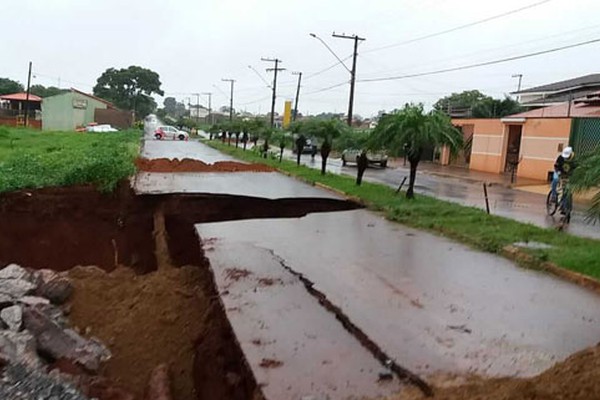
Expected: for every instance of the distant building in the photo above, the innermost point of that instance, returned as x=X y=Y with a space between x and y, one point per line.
x=73 y=109
x=559 y=92
x=13 y=106
x=198 y=111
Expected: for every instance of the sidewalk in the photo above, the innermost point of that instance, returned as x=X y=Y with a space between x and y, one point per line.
x=465 y=174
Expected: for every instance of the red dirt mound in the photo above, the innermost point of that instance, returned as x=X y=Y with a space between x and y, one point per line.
x=190 y=165
x=576 y=378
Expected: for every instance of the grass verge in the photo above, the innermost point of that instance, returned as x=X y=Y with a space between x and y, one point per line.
x=468 y=225
x=34 y=159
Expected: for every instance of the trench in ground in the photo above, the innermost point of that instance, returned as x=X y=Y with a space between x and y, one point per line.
x=154 y=296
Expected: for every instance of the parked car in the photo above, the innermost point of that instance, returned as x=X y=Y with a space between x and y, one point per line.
x=100 y=128
x=309 y=147
x=167 y=132
x=373 y=157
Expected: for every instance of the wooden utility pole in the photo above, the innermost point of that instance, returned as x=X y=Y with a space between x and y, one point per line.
x=211 y=117
x=27 y=96
x=231 y=82
x=274 y=97
x=297 y=95
x=356 y=39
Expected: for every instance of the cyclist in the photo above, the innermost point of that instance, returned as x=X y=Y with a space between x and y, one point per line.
x=563 y=167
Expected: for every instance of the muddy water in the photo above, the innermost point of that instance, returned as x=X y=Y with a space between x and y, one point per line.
x=433 y=305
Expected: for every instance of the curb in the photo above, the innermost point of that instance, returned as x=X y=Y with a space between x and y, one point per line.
x=516 y=254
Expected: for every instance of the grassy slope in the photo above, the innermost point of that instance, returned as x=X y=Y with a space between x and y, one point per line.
x=465 y=224
x=33 y=159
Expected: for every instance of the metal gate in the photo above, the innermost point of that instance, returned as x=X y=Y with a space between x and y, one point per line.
x=585 y=135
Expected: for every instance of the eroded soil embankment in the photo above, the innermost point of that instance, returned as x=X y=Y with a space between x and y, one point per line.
x=146 y=315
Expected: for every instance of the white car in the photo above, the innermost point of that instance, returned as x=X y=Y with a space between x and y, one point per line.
x=373 y=157
x=101 y=128
x=170 y=132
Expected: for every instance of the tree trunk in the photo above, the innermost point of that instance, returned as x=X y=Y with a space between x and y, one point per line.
x=237 y=140
x=281 y=154
x=325 y=150
x=266 y=149
x=410 y=193
x=245 y=145
x=298 y=155
x=362 y=164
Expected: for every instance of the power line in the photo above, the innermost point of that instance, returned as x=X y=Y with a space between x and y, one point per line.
x=481 y=64
x=326 y=88
x=460 y=27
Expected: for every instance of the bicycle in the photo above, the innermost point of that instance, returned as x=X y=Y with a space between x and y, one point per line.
x=561 y=201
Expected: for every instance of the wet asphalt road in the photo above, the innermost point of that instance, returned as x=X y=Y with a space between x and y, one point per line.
x=434 y=306
x=510 y=203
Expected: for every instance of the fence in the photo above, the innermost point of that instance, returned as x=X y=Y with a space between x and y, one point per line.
x=585 y=135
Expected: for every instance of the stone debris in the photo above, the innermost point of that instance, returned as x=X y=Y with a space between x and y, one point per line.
x=12 y=316
x=57 y=290
x=20 y=382
x=13 y=289
x=13 y=271
x=58 y=342
x=31 y=323
x=19 y=347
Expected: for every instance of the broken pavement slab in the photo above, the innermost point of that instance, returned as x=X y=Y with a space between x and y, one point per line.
x=295 y=347
x=404 y=288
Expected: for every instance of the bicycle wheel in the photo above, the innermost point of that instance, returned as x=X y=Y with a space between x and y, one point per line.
x=551 y=204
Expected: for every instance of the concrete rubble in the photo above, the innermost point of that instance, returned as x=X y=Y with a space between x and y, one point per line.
x=34 y=333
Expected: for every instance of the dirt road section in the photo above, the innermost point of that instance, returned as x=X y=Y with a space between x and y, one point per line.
x=296 y=347
x=431 y=304
x=190 y=165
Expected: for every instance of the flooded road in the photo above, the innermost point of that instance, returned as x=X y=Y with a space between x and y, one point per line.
x=431 y=304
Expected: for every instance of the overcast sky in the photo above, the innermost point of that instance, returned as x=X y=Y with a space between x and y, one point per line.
x=192 y=44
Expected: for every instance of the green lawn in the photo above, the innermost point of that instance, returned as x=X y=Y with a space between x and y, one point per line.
x=465 y=224
x=33 y=159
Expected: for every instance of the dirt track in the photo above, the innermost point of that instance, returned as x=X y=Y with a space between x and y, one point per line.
x=190 y=165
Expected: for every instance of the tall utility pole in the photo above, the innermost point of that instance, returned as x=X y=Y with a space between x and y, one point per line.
x=297 y=95
x=197 y=106
x=356 y=39
x=27 y=96
x=231 y=82
x=275 y=70
x=212 y=118
x=520 y=76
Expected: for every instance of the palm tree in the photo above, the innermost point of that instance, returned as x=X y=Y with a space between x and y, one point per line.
x=325 y=130
x=281 y=138
x=587 y=177
x=414 y=130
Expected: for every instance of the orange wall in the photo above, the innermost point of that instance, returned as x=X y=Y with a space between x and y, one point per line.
x=540 y=144
x=488 y=139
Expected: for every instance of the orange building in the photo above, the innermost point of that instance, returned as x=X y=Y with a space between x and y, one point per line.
x=531 y=141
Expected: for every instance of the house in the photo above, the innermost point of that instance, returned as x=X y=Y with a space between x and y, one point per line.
x=13 y=106
x=198 y=111
x=529 y=142
x=559 y=92
x=73 y=109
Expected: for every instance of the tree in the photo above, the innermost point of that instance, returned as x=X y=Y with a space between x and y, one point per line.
x=42 y=91
x=418 y=130
x=478 y=105
x=495 y=108
x=130 y=88
x=464 y=100
x=281 y=138
x=326 y=131
x=8 y=86
x=587 y=177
